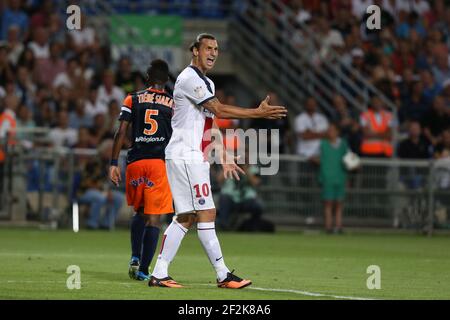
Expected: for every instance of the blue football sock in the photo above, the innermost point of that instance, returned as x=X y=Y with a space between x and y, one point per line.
x=137 y=233
x=149 y=243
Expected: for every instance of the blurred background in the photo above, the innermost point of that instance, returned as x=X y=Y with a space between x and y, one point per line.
x=386 y=90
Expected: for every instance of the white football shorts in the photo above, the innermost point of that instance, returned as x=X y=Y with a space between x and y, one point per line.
x=190 y=185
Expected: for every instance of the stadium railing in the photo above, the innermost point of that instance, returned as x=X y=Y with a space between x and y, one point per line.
x=386 y=193
x=263 y=37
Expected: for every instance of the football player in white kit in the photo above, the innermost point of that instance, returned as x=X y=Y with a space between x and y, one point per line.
x=187 y=168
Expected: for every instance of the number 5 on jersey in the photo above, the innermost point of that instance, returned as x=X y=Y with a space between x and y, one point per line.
x=152 y=122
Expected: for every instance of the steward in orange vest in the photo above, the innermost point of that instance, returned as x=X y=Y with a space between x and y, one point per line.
x=377 y=131
x=7 y=131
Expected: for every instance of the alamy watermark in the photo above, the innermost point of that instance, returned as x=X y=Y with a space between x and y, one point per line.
x=374 y=20
x=74 y=280
x=73 y=21
x=252 y=146
x=374 y=280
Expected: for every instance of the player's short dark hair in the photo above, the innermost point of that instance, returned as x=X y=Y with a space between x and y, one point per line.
x=198 y=40
x=158 y=72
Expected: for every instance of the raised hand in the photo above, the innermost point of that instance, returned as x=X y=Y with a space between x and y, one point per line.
x=268 y=111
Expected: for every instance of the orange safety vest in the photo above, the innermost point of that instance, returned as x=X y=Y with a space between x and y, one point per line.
x=377 y=146
x=7 y=117
x=231 y=143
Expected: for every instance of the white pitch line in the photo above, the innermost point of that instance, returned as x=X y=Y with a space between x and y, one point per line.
x=311 y=294
x=304 y=293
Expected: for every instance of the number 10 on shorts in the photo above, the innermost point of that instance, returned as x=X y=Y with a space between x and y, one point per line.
x=204 y=190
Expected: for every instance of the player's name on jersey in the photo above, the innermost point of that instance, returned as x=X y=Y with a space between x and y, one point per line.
x=157 y=98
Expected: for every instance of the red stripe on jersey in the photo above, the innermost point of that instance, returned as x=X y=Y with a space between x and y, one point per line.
x=206 y=140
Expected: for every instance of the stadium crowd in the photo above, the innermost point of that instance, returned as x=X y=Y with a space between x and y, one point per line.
x=408 y=60
x=66 y=81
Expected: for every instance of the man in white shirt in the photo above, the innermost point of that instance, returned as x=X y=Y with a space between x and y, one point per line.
x=187 y=169
x=310 y=127
x=63 y=135
x=109 y=91
x=39 y=45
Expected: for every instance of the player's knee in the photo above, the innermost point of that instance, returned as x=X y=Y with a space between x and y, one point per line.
x=186 y=220
x=207 y=215
x=153 y=221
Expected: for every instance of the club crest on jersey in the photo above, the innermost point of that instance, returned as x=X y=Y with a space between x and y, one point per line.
x=199 y=92
x=201 y=201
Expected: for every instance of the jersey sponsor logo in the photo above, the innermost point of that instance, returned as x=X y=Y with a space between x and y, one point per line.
x=208 y=113
x=141 y=180
x=149 y=139
x=199 y=92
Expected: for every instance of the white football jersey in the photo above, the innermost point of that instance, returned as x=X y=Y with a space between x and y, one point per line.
x=190 y=120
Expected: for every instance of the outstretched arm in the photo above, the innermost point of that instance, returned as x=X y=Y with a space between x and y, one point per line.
x=119 y=138
x=226 y=111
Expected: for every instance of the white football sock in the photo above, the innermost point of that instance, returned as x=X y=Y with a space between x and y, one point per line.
x=207 y=235
x=172 y=238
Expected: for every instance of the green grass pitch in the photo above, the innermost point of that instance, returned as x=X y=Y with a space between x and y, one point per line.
x=285 y=265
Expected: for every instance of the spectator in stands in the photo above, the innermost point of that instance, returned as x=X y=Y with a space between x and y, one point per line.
x=239 y=196
x=64 y=98
x=96 y=193
x=48 y=69
x=310 y=127
x=28 y=60
x=108 y=90
x=70 y=78
x=14 y=15
x=359 y=7
x=333 y=177
x=441 y=68
x=446 y=93
x=56 y=30
x=98 y=130
x=24 y=120
x=62 y=135
x=85 y=69
x=6 y=68
x=85 y=38
x=7 y=122
x=413 y=105
x=78 y=117
x=330 y=38
x=442 y=149
x=283 y=125
x=25 y=86
x=416 y=145
x=347 y=120
x=377 y=127
x=93 y=106
x=403 y=57
x=125 y=75
x=430 y=87
x=40 y=18
x=45 y=115
x=39 y=45
x=14 y=44
x=436 y=120
x=413 y=23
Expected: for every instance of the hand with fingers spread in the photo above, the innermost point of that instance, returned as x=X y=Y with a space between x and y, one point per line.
x=271 y=112
x=230 y=168
x=114 y=175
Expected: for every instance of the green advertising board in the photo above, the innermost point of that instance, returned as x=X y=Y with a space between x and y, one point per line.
x=146 y=30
